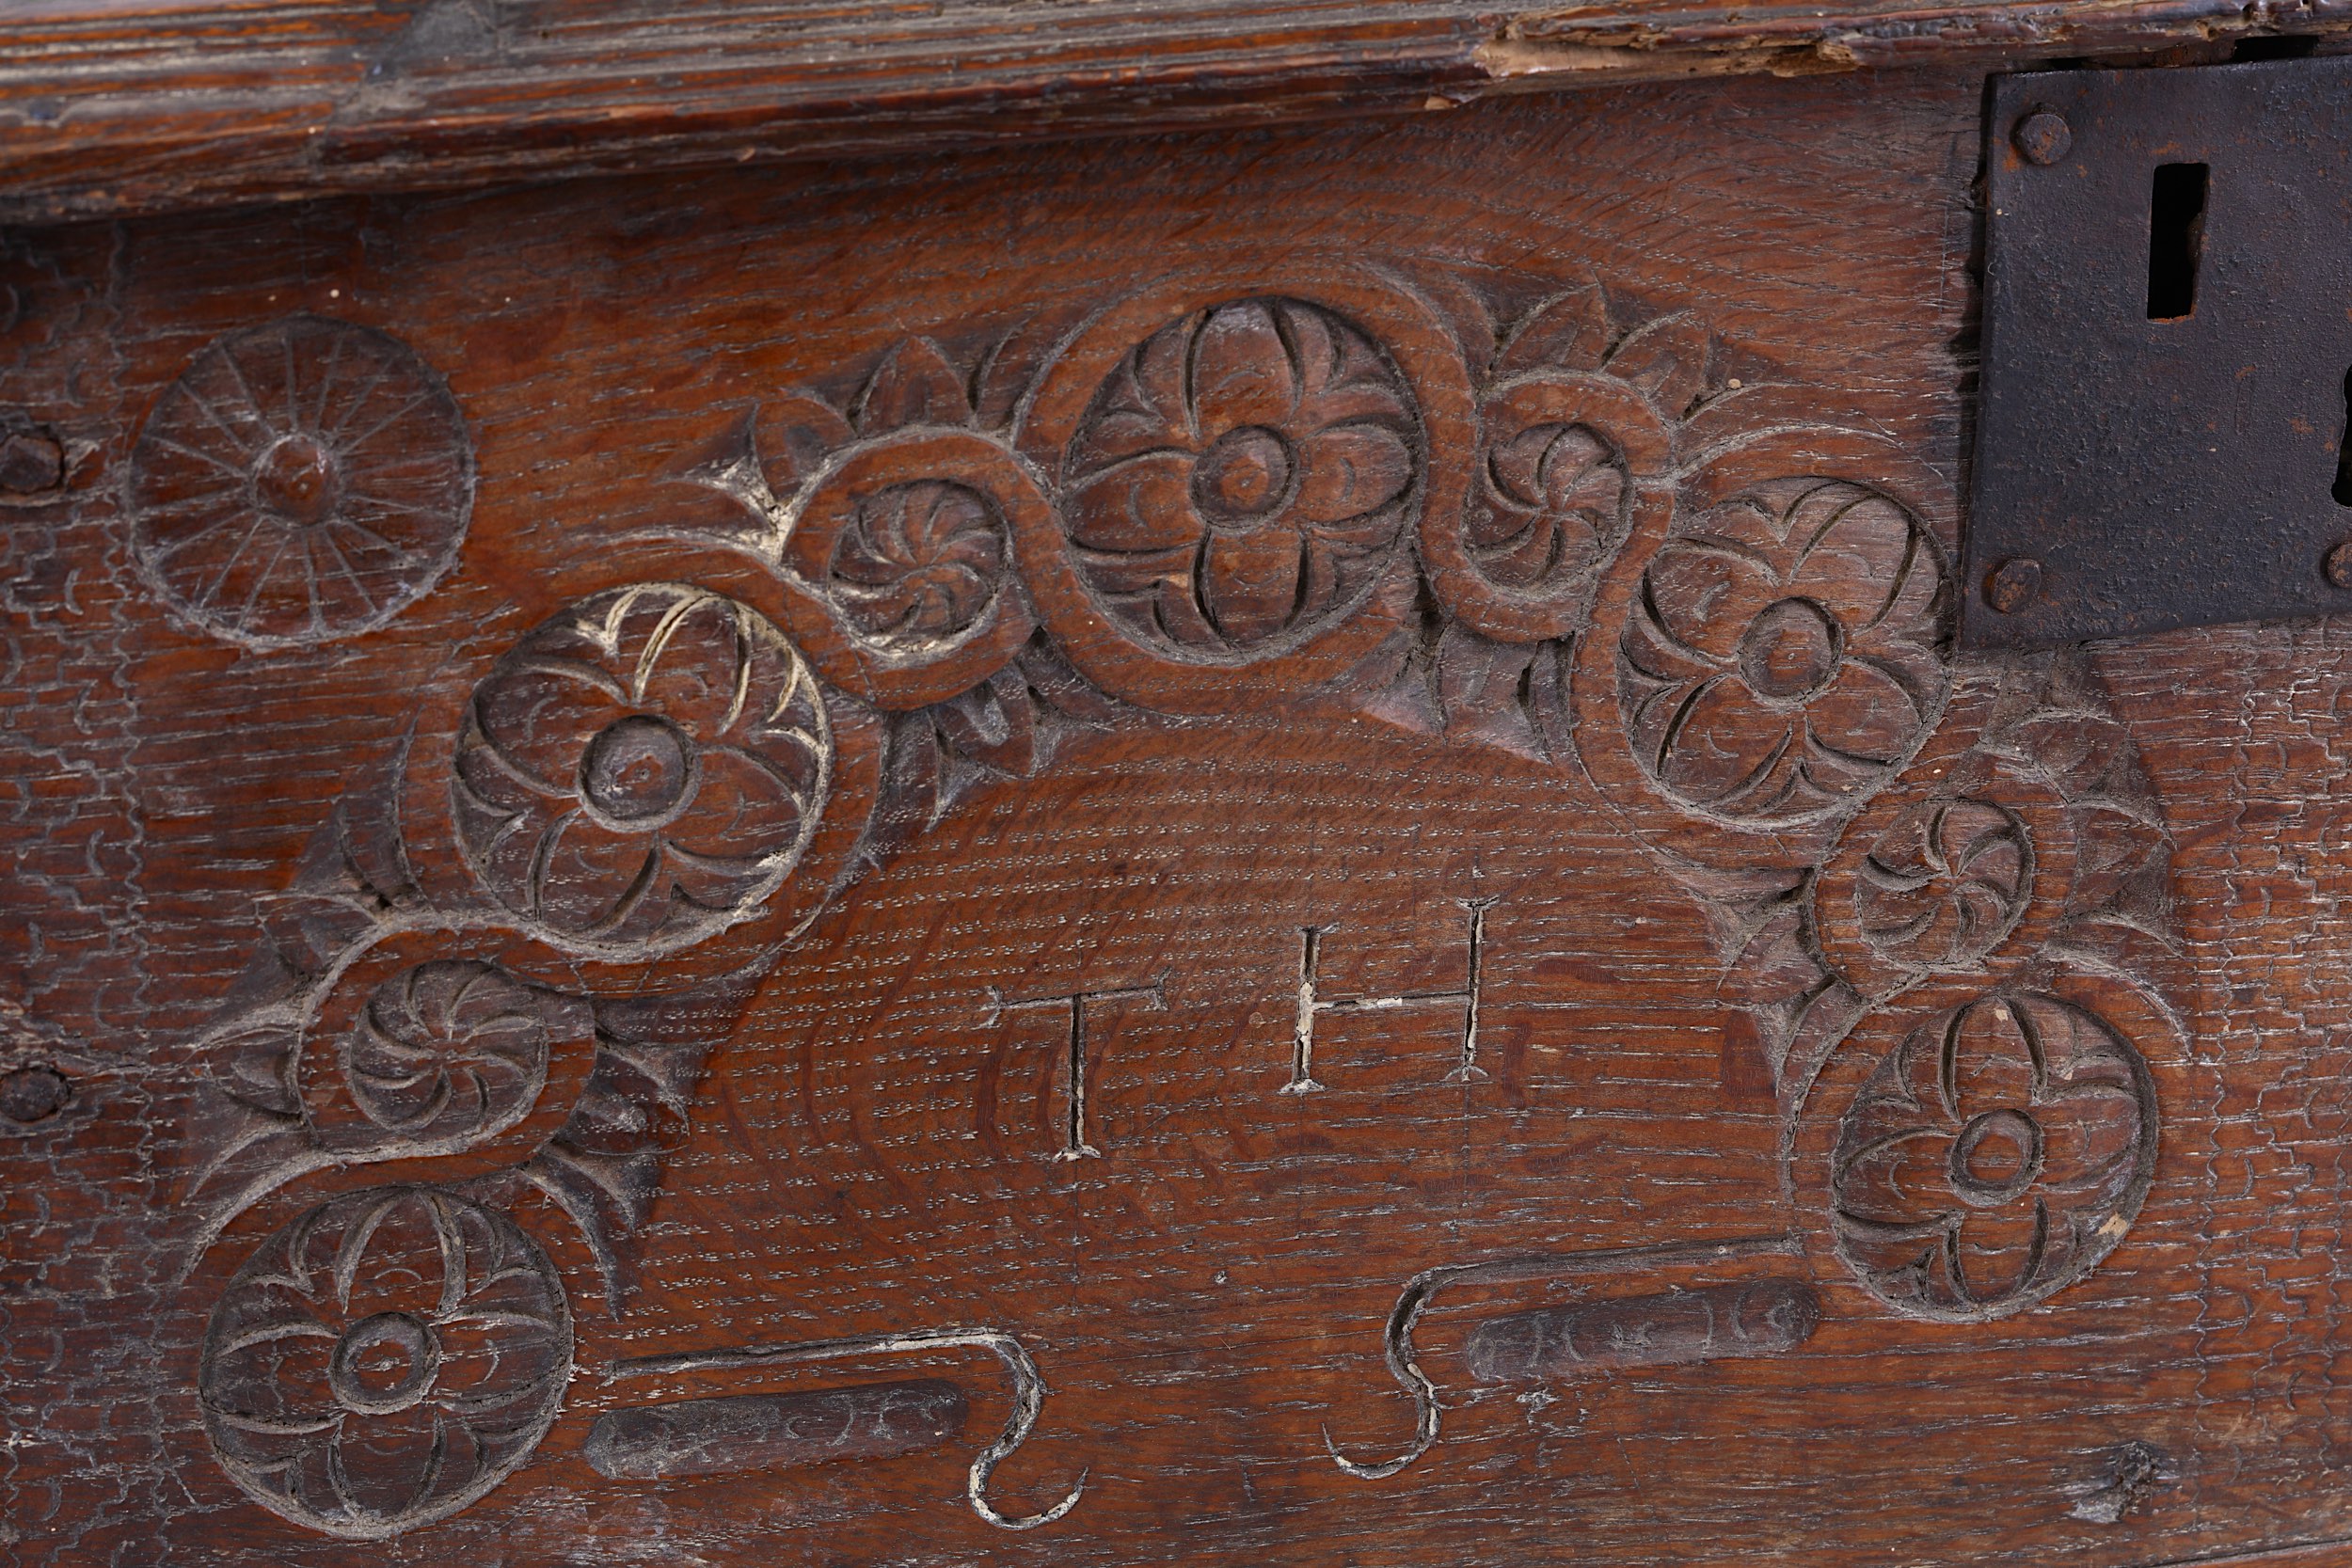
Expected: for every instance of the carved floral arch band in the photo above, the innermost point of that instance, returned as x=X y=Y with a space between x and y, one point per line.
x=1575 y=539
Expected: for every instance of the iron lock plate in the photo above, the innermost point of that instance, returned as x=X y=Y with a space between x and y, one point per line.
x=2166 y=353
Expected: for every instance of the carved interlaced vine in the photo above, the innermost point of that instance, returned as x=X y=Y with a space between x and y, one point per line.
x=1573 y=538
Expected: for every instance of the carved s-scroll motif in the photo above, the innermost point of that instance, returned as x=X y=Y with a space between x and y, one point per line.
x=1785 y=653
x=1995 y=1156
x=1568 y=437
x=301 y=482
x=644 y=769
x=1215 y=496
x=385 y=1360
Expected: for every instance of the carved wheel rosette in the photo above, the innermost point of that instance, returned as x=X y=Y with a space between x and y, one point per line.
x=643 y=769
x=1238 y=482
x=301 y=482
x=1993 y=1157
x=385 y=1360
x=1786 y=651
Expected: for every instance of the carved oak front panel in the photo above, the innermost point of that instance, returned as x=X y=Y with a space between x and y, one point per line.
x=1269 y=844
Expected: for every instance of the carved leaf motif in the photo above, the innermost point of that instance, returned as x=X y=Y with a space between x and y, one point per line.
x=913 y=385
x=1567 y=333
x=385 y=1361
x=1667 y=359
x=1995 y=1156
x=1242 y=478
x=301 y=482
x=644 y=769
x=1786 y=653
x=996 y=725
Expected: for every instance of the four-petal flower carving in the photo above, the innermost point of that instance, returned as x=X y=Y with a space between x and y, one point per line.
x=1243 y=477
x=1996 y=1155
x=1786 y=653
x=385 y=1360
x=643 y=769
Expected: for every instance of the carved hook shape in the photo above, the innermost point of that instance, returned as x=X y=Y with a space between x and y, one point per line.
x=1029 y=1393
x=1421 y=1292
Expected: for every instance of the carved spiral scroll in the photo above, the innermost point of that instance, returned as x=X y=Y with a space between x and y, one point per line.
x=1550 y=506
x=1943 y=884
x=904 y=546
x=444 y=1056
x=385 y=1360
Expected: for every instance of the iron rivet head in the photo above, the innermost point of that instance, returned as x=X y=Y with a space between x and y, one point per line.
x=2043 y=137
x=2013 y=584
x=33 y=1094
x=32 y=462
x=2338 y=565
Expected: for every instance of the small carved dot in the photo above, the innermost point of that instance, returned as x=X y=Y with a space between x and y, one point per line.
x=32 y=462
x=33 y=1094
x=1243 y=478
x=1791 y=651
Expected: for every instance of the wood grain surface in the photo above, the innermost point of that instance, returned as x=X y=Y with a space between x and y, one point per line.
x=1241 y=847
x=139 y=106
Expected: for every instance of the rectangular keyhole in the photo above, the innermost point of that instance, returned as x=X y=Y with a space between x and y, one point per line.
x=2176 y=239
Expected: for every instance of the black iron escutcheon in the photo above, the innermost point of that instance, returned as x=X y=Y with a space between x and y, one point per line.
x=2168 y=354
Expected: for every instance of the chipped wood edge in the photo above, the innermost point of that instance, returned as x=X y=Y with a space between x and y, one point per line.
x=108 y=110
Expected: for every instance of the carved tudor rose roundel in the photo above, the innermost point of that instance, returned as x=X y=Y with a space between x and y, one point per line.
x=1784 y=655
x=1242 y=480
x=385 y=1360
x=1995 y=1156
x=301 y=482
x=642 y=770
